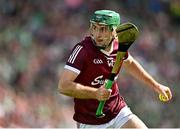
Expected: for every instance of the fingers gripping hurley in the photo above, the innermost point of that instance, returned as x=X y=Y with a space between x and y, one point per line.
x=127 y=34
x=108 y=85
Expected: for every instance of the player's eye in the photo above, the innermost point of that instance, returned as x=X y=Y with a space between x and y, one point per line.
x=103 y=29
x=94 y=27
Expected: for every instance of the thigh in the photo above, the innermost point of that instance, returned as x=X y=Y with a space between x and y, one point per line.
x=123 y=117
x=134 y=122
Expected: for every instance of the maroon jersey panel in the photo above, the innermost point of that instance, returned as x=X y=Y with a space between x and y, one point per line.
x=94 y=67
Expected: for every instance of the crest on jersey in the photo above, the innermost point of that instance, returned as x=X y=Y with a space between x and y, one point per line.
x=110 y=61
x=97 y=61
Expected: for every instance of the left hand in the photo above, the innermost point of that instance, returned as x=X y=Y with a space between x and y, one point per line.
x=164 y=90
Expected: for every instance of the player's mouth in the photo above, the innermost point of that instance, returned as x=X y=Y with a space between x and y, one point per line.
x=99 y=40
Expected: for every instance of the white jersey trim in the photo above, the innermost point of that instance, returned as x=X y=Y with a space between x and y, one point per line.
x=127 y=57
x=72 y=69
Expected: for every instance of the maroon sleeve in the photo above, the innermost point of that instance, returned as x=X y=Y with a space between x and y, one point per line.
x=76 y=59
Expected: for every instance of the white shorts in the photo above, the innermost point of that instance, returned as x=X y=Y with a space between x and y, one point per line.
x=124 y=115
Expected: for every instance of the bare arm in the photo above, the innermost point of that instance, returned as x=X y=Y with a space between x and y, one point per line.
x=137 y=71
x=68 y=87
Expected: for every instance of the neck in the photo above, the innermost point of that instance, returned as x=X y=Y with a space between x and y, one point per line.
x=110 y=46
x=106 y=48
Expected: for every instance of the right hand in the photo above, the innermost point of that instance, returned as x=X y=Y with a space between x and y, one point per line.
x=103 y=94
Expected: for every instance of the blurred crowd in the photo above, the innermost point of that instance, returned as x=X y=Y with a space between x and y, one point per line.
x=36 y=37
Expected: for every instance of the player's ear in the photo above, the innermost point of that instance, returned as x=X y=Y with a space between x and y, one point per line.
x=90 y=29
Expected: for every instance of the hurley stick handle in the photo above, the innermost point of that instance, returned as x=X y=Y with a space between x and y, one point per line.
x=108 y=84
x=99 y=111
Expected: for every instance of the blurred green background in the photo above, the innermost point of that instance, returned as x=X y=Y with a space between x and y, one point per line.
x=36 y=37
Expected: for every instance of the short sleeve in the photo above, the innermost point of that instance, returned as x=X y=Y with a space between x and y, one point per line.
x=76 y=59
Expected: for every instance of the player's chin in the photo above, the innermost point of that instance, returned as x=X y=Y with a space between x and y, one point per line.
x=100 y=43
